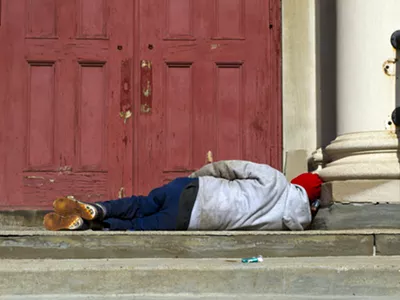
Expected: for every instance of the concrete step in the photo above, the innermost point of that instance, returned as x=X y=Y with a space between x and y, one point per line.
x=338 y=216
x=334 y=276
x=89 y=244
x=192 y=297
x=22 y=218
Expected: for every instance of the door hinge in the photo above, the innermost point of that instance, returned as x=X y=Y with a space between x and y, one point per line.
x=125 y=115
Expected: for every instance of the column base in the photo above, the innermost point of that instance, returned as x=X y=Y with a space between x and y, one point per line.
x=363 y=155
x=362 y=167
x=361 y=172
x=361 y=191
x=357 y=216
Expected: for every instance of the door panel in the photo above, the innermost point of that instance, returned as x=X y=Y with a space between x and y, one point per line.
x=63 y=133
x=215 y=85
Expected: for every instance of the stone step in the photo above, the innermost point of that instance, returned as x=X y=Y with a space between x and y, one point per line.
x=367 y=215
x=22 y=218
x=336 y=216
x=90 y=244
x=307 y=276
x=196 y=244
x=192 y=297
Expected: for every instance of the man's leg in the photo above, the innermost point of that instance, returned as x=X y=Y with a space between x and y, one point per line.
x=125 y=208
x=135 y=206
x=130 y=207
x=153 y=212
x=164 y=220
x=158 y=212
x=114 y=214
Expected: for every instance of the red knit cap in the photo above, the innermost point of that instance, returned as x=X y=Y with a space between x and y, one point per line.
x=311 y=183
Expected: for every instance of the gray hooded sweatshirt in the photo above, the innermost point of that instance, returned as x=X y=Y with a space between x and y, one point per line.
x=242 y=195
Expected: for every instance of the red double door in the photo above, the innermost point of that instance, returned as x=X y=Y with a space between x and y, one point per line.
x=103 y=98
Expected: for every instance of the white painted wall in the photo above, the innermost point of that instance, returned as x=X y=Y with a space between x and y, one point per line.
x=299 y=75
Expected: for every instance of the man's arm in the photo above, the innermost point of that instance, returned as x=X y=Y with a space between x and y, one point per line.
x=236 y=169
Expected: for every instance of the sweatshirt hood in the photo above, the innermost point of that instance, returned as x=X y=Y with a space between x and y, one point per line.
x=297 y=212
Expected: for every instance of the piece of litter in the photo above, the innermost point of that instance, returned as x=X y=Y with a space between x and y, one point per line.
x=254 y=259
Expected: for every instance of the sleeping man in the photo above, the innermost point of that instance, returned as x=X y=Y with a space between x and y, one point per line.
x=224 y=195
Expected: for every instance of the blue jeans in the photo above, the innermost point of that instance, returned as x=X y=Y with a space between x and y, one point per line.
x=157 y=211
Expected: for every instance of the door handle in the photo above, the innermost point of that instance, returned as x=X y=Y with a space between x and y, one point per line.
x=146 y=86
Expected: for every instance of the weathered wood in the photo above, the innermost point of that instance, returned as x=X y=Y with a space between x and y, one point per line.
x=215 y=82
x=61 y=89
x=70 y=92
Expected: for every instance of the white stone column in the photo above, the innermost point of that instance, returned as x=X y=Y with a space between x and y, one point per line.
x=363 y=163
x=366 y=95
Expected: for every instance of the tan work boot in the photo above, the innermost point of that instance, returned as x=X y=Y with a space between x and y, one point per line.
x=54 y=222
x=87 y=211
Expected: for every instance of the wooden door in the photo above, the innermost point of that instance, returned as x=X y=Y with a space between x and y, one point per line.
x=66 y=83
x=213 y=85
x=67 y=92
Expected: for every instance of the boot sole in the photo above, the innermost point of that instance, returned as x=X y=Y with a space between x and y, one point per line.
x=55 y=222
x=67 y=207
